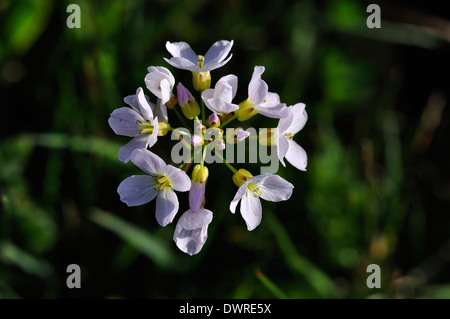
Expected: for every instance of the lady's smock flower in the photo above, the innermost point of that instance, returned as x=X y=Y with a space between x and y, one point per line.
x=219 y=99
x=183 y=57
x=260 y=100
x=160 y=82
x=267 y=186
x=137 y=122
x=287 y=128
x=161 y=182
x=192 y=227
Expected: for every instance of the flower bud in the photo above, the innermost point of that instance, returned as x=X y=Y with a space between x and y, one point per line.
x=236 y=135
x=172 y=102
x=246 y=110
x=241 y=177
x=201 y=80
x=163 y=128
x=213 y=120
x=268 y=136
x=200 y=174
x=197 y=140
x=187 y=102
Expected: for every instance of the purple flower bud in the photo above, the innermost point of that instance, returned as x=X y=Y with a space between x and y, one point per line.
x=196 y=140
x=214 y=120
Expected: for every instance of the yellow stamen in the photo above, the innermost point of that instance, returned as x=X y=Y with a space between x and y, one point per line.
x=289 y=136
x=254 y=190
x=162 y=182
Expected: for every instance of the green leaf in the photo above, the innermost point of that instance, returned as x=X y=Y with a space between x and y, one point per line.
x=10 y=253
x=150 y=245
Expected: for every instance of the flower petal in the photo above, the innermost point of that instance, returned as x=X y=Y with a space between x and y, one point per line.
x=273 y=187
x=196 y=195
x=257 y=89
x=123 y=121
x=137 y=142
x=192 y=240
x=193 y=219
x=273 y=111
x=166 y=206
x=137 y=190
x=211 y=67
x=218 y=52
x=144 y=104
x=160 y=69
x=299 y=118
x=159 y=84
x=182 y=63
x=282 y=148
x=178 y=178
x=182 y=50
x=160 y=111
x=297 y=156
x=241 y=191
x=251 y=210
x=147 y=161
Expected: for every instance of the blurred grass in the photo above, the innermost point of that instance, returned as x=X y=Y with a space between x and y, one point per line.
x=376 y=189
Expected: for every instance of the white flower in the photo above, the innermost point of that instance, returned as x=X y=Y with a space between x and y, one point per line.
x=219 y=99
x=160 y=82
x=192 y=227
x=260 y=100
x=183 y=57
x=267 y=186
x=287 y=128
x=192 y=230
x=137 y=122
x=161 y=182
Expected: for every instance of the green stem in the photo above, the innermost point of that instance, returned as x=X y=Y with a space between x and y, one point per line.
x=226 y=163
x=229 y=120
x=181 y=118
x=179 y=131
x=203 y=108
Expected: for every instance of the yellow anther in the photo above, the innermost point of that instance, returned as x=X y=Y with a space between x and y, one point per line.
x=289 y=136
x=254 y=190
x=162 y=182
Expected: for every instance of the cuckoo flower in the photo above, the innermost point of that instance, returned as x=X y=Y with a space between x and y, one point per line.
x=260 y=100
x=160 y=82
x=287 y=128
x=267 y=186
x=192 y=227
x=192 y=230
x=219 y=99
x=183 y=57
x=137 y=122
x=161 y=182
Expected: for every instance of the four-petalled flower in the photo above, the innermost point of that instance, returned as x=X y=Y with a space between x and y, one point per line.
x=161 y=182
x=267 y=186
x=287 y=128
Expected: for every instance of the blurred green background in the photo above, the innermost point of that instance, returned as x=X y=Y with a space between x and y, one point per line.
x=377 y=188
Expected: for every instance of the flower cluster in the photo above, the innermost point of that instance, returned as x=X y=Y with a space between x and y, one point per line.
x=146 y=121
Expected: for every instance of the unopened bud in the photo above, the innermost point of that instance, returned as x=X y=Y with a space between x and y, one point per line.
x=200 y=174
x=213 y=120
x=187 y=102
x=196 y=140
x=246 y=110
x=172 y=102
x=236 y=135
x=268 y=136
x=241 y=177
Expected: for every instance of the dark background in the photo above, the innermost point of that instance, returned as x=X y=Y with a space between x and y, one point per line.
x=377 y=188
